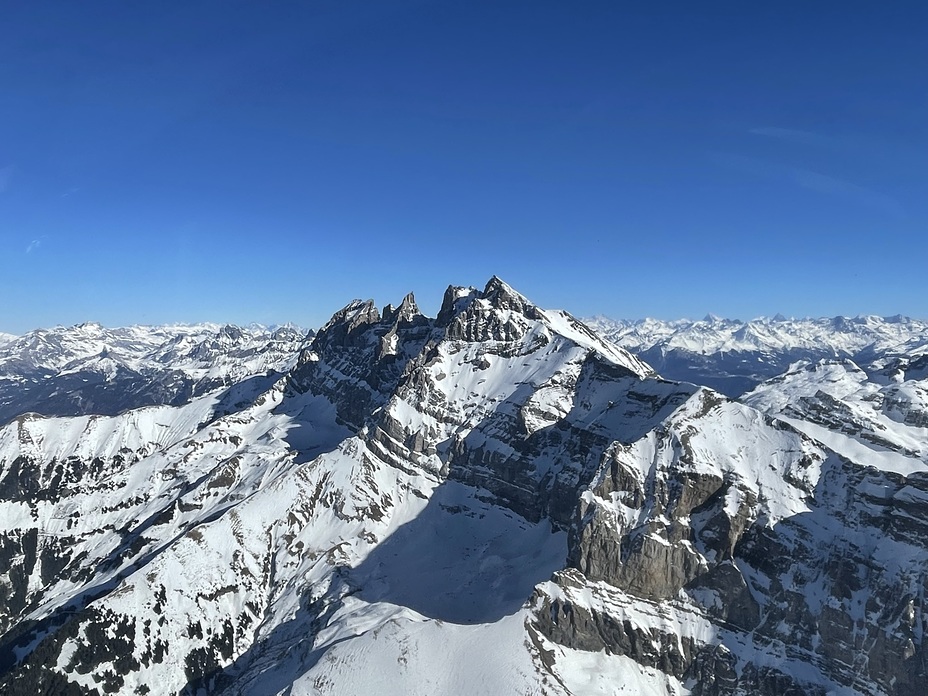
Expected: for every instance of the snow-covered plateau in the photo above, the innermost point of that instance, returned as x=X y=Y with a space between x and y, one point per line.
x=496 y=500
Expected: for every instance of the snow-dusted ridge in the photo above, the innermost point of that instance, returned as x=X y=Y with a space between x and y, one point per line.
x=712 y=334
x=884 y=423
x=494 y=500
x=733 y=356
x=88 y=368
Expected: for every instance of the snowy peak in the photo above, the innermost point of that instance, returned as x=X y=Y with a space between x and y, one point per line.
x=453 y=302
x=497 y=297
x=502 y=315
x=499 y=484
x=359 y=356
x=502 y=296
x=497 y=314
x=360 y=323
x=566 y=325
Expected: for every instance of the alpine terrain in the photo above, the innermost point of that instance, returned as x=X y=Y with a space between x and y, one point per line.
x=734 y=356
x=495 y=500
x=84 y=369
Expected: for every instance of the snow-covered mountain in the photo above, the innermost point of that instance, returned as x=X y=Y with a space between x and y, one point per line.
x=733 y=356
x=491 y=501
x=89 y=369
x=860 y=417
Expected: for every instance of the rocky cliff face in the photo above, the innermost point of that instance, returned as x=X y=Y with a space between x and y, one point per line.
x=498 y=484
x=803 y=572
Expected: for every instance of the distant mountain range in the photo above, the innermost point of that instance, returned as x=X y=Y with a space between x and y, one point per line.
x=734 y=356
x=494 y=500
x=89 y=369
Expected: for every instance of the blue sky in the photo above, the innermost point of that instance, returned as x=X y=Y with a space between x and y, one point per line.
x=268 y=162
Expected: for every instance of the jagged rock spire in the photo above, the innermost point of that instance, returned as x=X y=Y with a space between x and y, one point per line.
x=455 y=299
x=406 y=312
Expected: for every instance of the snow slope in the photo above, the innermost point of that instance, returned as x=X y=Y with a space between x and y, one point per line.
x=836 y=402
x=494 y=500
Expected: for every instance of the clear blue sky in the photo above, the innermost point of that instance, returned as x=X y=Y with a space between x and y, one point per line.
x=245 y=161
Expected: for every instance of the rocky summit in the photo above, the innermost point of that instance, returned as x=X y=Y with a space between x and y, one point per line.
x=496 y=500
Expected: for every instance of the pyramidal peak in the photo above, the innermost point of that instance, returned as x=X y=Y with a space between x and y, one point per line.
x=501 y=299
x=502 y=296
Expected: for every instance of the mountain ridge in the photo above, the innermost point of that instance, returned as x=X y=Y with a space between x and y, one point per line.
x=733 y=356
x=88 y=368
x=496 y=483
